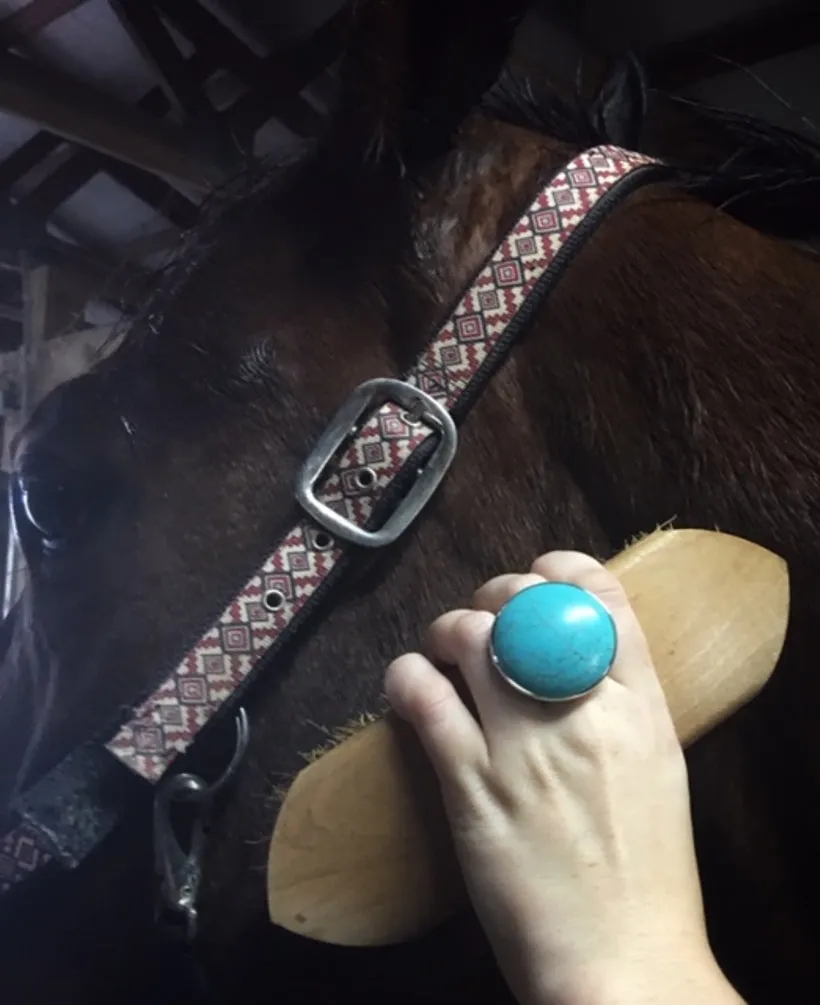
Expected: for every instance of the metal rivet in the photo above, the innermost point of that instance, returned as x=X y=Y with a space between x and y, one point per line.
x=364 y=478
x=273 y=600
x=322 y=541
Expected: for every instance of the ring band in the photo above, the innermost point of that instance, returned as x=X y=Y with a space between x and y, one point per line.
x=554 y=641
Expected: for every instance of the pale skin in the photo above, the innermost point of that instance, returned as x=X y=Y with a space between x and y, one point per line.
x=571 y=821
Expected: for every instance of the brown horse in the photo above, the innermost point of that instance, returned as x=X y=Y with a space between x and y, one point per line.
x=672 y=373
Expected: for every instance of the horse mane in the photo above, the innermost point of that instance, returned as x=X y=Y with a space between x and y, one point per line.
x=762 y=174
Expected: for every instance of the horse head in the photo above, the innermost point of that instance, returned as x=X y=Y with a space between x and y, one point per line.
x=670 y=375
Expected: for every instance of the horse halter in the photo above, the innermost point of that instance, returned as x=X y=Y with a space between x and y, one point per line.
x=367 y=479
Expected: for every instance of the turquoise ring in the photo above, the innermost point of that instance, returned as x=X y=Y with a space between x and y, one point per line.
x=554 y=641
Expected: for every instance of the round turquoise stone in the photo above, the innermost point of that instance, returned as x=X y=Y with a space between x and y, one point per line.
x=554 y=641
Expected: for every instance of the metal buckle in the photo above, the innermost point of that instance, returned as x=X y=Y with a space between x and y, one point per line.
x=343 y=426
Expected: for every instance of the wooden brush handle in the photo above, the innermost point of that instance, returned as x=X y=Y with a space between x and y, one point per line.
x=361 y=855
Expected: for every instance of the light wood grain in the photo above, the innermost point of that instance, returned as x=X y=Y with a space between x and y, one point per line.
x=360 y=854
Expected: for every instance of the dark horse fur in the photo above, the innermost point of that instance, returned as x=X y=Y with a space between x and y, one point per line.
x=673 y=374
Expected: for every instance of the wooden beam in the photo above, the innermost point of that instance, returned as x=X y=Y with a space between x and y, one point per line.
x=162 y=198
x=244 y=118
x=20 y=230
x=285 y=73
x=35 y=311
x=23 y=231
x=210 y=36
x=71 y=109
x=25 y=158
x=9 y=313
x=35 y=305
x=274 y=78
x=33 y=18
x=149 y=34
x=11 y=335
x=61 y=184
x=83 y=164
x=10 y=289
x=758 y=36
x=139 y=248
x=251 y=111
x=88 y=261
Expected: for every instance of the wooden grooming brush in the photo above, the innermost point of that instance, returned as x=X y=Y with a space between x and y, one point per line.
x=360 y=855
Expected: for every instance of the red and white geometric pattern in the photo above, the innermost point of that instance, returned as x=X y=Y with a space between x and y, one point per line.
x=22 y=851
x=167 y=722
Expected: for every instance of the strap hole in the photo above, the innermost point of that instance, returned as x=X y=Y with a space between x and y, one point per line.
x=365 y=477
x=322 y=541
x=273 y=600
x=410 y=418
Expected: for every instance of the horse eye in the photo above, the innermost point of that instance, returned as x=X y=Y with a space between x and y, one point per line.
x=53 y=503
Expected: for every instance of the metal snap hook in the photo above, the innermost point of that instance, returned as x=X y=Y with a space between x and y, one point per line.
x=179 y=871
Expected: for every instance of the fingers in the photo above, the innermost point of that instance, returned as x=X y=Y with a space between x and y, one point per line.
x=451 y=736
x=494 y=594
x=456 y=743
x=454 y=636
x=462 y=639
x=633 y=664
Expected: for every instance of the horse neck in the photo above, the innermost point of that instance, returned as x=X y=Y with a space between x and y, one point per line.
x=470 y=201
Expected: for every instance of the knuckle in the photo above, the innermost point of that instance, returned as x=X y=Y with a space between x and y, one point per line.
x=566 y=565
x=485 y=593
x=599 y=729
x=433 y=705
x=605 y=585
x=496 y=592
x=470 y=630
x=440 y=631
x=586 y=572
x=524 y=581
x=590 y=737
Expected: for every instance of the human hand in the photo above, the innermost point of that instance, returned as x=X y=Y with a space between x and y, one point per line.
x=571 y=821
